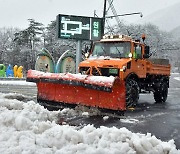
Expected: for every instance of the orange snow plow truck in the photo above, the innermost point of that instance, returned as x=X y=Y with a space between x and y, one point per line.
x=117 y=69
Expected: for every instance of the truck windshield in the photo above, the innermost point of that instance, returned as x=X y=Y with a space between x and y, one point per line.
x=112 y=49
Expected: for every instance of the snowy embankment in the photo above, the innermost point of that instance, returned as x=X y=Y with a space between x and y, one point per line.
x=26 y=127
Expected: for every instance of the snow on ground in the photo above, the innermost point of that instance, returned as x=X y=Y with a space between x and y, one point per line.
x=26 y=127
x=16 y=82
x=177 y=78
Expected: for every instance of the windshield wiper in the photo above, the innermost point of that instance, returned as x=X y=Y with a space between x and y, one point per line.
x=118 y=50
x=103 y=51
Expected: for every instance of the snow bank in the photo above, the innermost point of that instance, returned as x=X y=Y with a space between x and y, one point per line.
x=26 y=127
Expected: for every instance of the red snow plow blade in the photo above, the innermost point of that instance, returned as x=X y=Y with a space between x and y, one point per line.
x=75 y=89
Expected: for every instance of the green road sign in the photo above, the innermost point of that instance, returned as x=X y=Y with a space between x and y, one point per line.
x=79 y=27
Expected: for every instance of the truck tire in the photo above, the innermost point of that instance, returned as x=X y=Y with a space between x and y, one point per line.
x=132 y=93
x=160 y=93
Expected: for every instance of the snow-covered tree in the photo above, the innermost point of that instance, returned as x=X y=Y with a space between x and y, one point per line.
x=6 y=42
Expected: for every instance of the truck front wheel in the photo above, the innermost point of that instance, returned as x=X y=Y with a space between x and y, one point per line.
x=132 y=93
x=160 y=93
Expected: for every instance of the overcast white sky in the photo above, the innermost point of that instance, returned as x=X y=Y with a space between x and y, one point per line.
x=14 y=13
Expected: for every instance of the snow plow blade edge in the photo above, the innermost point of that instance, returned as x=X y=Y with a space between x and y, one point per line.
x=74 y=89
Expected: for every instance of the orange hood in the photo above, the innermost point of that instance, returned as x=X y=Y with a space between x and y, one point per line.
x=105 y=62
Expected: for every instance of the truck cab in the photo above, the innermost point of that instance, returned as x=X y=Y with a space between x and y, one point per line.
x=115 y=53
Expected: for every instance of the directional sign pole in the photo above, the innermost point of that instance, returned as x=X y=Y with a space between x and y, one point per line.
x=78 y=54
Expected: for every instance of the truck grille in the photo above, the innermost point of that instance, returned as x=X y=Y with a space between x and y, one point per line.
x=104 y=71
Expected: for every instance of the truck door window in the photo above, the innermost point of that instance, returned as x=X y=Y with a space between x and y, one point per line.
x=138 y=50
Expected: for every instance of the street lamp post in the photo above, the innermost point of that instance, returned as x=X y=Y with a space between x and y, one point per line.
x=104 y=16
x=126 y=14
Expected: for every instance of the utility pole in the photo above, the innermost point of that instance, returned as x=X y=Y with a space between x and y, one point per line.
x=78 y=54
x=104 y=16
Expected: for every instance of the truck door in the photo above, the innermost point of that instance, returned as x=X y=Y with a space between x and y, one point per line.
x=138 y=61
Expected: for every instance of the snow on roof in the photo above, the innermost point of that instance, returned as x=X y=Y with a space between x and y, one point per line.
x=26 y=127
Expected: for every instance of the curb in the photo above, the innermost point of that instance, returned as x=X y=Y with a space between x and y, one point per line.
x=12 y=78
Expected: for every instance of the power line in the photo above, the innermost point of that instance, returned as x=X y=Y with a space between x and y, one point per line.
x=114 y=13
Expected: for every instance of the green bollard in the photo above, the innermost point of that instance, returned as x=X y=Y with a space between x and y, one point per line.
x=2 y=70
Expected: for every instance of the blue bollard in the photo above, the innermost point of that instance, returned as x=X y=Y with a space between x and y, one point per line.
x=9 y=71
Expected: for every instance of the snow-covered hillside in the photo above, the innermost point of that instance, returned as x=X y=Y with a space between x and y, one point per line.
x=26 y=127
x=176 y=33
x=166 y=19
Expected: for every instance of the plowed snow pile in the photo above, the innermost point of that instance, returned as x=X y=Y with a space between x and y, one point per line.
x=26 y=127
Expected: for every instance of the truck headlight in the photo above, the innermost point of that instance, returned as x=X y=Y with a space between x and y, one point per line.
x=123 y=68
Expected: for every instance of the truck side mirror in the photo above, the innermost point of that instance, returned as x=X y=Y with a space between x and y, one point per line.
x=86 y=51
x=146 y=52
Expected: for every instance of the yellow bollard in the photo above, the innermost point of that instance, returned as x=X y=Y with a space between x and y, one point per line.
x=15 y=70
x=19 y=72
